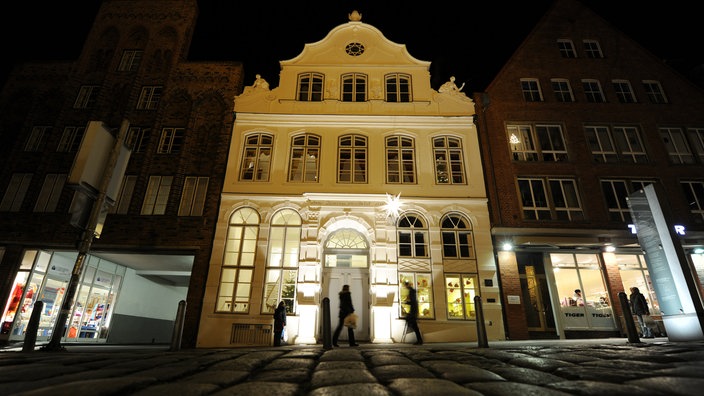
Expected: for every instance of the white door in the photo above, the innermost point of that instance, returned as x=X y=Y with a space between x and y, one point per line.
x=358 y=279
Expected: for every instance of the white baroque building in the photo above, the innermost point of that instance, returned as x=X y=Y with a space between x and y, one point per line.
x=354 y=170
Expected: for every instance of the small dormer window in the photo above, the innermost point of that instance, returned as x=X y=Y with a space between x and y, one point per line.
x=354 y=49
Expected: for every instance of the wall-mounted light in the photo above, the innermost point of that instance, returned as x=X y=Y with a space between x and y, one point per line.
x=698 y=250
x=507 y=246
x=609 y=248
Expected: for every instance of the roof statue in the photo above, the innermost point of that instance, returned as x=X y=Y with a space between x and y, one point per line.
x=451 y=88
x=354 y=16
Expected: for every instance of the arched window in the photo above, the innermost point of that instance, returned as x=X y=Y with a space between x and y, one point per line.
x=310 y=87
x=282 y=261
x=412 y=237
x=400 y=160
x=234 y=292
x=457 y=238
x=398 y=87
x=256 y=157
x=354 y=87
x=449 y=161
x=305 y=158
x=352 y=159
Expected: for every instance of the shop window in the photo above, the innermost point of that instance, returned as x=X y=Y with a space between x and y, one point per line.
x=634 y=273
x=234 y=292
x=584 y=299
x=460 y=290
x=424 y=292
x=282 y=261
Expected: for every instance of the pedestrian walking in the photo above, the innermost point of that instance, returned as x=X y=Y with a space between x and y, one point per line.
x=412 y=315
x=639 y=307
x=279 y=323
x=346 y=308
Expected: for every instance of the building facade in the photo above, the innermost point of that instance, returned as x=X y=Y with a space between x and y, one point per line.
x=154 y=249
x=353 y=171
x=580 y=118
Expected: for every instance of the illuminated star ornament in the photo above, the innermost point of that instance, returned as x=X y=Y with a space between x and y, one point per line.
x=392 y=207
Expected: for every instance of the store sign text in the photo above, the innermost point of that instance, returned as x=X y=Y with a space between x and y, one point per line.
x=679 y=229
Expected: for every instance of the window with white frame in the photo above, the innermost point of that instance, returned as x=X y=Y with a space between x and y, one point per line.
x=124 y=196
x=562 y=89
x=616 y=193
x=412 y=236
x=149 y=97
x=449 y=160
x=654 y=92
x=15 y=192
x=170 y=141
x=624 y=91
x=256 y=157
x=550 y=199
x=566 y=48
x=50 y=192
x=130 y=60
x=305 y=158
x=71 y=139
x=310 y=87
x=138 y=139
x=634 y=273
x=195 y=190
x=87 y=97
x=282 y=261
x=400 y=160
x=537 y=142
x=354 y=87
x=157 y=195
x=592 y=91
x=398 y=87
x=423 y=283
x=352 y=159
x=236 y=274
x=457 y=237
x=694 y=192
x=616 y=144
x=460 y=290
x=696 y=137
x=592 y=49
x=37 y=138
x=531 y=90
x=676 y=145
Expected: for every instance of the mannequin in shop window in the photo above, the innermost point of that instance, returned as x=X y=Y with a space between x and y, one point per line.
x=577 y=297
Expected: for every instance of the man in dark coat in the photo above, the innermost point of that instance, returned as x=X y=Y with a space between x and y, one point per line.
x=346 y=308
x=412 y=315
x=279 y=323
x=639 y=307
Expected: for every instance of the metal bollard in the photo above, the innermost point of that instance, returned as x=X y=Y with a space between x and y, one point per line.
x=628 y=317
x=30 y=336
x=327 y=329
x=178 y=327
x=481 y=326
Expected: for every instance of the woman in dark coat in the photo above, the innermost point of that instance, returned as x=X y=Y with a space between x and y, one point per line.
x=639 y=307
x=279 y=323
x=346 y=308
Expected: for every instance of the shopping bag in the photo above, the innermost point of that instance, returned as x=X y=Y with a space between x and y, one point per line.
x=351 y=321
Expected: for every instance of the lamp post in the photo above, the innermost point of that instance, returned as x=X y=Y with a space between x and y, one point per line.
x=86 y=241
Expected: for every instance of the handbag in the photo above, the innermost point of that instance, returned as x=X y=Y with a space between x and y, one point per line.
x=351 y=321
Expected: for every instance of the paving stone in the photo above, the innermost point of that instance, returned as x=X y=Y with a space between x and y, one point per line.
x=290 y=363
x=94 y=387
x=423 y=387
x=295 y=375
x=188 y=389
x=261 y=388
x=351 y=390
x=672 y=385
x=339 y=377
x=527 y=375
x=539 y=363
x=386 y=374
x=512 y=388
x=596 y=388
x=221 y=378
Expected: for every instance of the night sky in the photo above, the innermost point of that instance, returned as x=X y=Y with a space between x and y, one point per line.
x=470 y=40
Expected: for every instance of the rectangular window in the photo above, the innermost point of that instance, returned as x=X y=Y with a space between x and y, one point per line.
x=124 y=197
x=566 y=48
x=622 y=144
x=423 y=283
x=50 y=192
x=256 y=157
x=562 y=89
x=87 y=97
x=550 y=199
x=195 y=190
x=593 y=92
x=531 y=90
x=694 y=192
x=130 y=60
x=449 y=160
x=16 y=190
x=696 y=137
x=460 y=290
x=546 y=144
x=305 y=152
x=616 y=193
x=630 y=144
x=138 y=139
x=71 y=139
x=149 y=97
x=592 y=49
x=400 y=160
x=310 y=87
x=36 y=139
x=624 y=92
x=352 y=159
x=171 y=141
x=398 y=87
x=157 y=195
x=676 y=146
x=654 y=91
x=354 y=87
